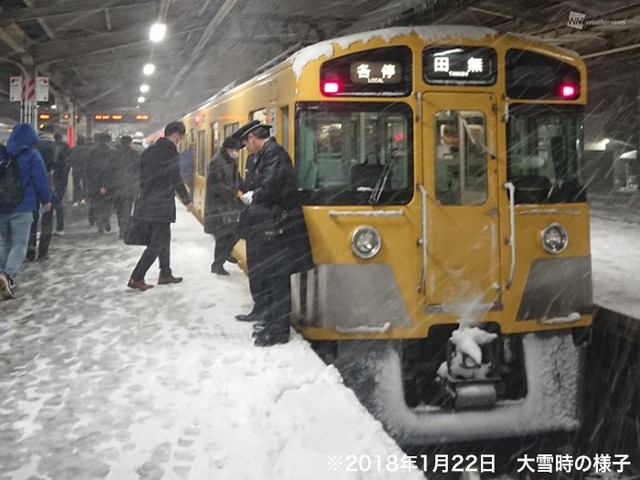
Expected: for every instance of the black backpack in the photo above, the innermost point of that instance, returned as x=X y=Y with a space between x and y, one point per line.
x=11 y=188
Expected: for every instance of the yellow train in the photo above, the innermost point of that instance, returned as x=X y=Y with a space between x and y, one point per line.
x=441 y=174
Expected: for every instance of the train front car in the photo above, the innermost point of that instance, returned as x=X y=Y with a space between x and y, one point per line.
x=441 y=172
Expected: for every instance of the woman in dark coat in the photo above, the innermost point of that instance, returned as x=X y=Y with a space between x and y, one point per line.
x=159 y=181
x=222 y=206
x=273 y=225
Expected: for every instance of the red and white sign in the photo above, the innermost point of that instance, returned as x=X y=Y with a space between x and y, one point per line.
x=42 y=89
x=29 y=92
x=15 y=89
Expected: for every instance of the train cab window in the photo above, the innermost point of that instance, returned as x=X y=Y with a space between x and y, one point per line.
x=354 y=153
x=460 y=158
x=544 y=154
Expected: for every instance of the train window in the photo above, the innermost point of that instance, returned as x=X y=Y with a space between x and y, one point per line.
x=354 y=153
x=378 y=72
x=215 y=138
x=534 y=76
x=200 y=153
x=284 y=111
x=460 y=159
x=229 y=128
x=544 y=153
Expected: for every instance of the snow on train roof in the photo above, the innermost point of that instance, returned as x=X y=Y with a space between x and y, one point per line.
x=426 y=33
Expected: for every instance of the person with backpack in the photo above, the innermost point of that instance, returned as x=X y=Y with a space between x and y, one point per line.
x=23 y=184
x=43 y=220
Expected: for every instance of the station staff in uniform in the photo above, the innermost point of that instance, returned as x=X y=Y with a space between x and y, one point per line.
x=273 y=226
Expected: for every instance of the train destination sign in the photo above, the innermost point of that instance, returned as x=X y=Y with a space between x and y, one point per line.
x=460 y=65
x=376 y=72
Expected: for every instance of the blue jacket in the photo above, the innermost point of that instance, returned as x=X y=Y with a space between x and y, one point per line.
x=32 y=171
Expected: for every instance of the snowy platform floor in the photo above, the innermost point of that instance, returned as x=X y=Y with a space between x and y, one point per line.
x=100 y=381
x=615 y=255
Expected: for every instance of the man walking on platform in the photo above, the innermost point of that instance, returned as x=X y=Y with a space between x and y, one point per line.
x=126 y=167
x=50 y=153
x=159 y=181
x=16 y=214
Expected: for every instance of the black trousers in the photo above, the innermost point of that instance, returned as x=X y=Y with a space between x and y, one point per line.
x=58 y=208
x=159 y=247
x=224 y=245
x=78 y=188
x=100 y=211
x=269 y=282
x=46 y=230
x=258 y=277
x=123 y=211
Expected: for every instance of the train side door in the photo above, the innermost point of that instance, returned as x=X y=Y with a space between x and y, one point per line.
x=460 y=171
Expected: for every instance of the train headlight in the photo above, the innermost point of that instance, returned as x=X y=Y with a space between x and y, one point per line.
x=365 y=241
x=554 y=238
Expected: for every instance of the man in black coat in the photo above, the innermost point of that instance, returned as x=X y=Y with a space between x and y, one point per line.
x=126 y=167
x=100 y=182
x=274 y=225
x=159 y=181
x=222 y=203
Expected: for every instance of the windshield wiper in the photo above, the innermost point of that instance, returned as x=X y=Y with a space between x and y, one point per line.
x=478 y=143
x=381 y=182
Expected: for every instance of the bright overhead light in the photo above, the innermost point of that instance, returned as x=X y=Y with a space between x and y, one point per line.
x=148 y=69
x=54 y=106
x=144 y=88
x=156 y=34
x=141 y=99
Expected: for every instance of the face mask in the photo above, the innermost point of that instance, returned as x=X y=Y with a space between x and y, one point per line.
x=234 y=154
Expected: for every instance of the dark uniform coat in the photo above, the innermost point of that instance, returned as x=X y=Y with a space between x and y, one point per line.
x=126 y=166
x=99 y=170
x=223 y=183
x=159 y=180
x=275 y=216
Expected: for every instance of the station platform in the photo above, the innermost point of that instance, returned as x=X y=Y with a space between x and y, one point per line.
x=98 y=381
x=101 y=381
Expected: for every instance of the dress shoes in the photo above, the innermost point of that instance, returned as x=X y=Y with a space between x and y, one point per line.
x=266 y=339
x=258 y=329
x=168 y=279
x=219 y=270
x=249 y=317
x=138 y=285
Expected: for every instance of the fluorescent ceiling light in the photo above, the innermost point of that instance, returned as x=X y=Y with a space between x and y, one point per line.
x=156 y=34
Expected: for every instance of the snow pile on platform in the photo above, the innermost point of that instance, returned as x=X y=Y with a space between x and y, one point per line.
x=99 y=381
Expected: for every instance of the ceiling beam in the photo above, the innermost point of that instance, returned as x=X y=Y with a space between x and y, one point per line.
x=75 y=7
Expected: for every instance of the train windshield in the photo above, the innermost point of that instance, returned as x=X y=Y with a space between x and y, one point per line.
x=354 y=153
x=544 y=154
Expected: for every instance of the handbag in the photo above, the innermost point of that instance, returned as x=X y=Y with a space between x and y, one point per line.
x=138 y=232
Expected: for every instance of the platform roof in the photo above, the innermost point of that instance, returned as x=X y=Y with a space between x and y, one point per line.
x=93 y=51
